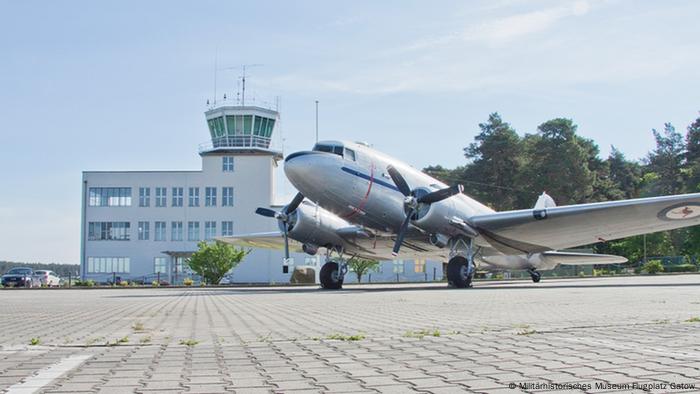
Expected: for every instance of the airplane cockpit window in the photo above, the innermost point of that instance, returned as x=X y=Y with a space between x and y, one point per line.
x=338 y=150
x=349 y=154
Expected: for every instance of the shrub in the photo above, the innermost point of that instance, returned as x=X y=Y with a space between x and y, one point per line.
x=213 y=260
x=84 y=283
x=653 y=266
x=155 y=283
x=188 y=282
x=124 y=283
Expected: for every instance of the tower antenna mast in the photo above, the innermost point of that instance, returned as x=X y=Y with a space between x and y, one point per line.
x=243 y=76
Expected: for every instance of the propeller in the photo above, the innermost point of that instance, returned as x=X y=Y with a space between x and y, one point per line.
x=412 y=202
x=283 y=216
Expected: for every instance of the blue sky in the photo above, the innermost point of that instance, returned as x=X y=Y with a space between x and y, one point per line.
x=122 y=85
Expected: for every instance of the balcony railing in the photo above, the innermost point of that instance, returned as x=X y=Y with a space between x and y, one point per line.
x=236 y=141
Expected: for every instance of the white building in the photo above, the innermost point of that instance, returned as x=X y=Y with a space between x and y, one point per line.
x=142 y=225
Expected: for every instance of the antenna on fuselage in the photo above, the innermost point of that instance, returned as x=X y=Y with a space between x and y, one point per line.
x=317 y=121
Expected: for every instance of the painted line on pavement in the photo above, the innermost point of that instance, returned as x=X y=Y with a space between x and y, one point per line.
x=47 y=375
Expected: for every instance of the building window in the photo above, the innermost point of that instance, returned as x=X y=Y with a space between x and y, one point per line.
x=209 y=230
x=160 y=232
x=161 y=196
x=176 y=233
x=160 y=265
x=109 y=197
x=144 y=196
x=179 y=264
x=193 y=231
x=419 y=266
x=226 y=196
x=144 y=231
x=98 y=265
x=227 y=164
x=210 y=196
x=108 y=231
x=178 y=193
x=194 y=196
x=226 y=228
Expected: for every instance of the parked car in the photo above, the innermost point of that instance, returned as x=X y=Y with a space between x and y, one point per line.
x=19 y=277
x=48 y=278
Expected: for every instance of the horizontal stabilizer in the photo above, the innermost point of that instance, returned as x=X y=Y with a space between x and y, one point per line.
x=572 y=258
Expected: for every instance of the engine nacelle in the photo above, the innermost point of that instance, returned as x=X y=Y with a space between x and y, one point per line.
x=434 y=218
x=315 y=227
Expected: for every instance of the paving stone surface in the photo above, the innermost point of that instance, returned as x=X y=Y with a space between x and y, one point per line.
x=619 y=334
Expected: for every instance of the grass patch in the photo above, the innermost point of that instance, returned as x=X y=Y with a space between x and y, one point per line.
x=34 y=341
x=341 y=337
x=422 y=333
x=189 y=342
x=693 y=319
x=662 y=321
x=145 y=340
x=123 y=340
x=92 y=341
x=138 y=327
x=527 y=331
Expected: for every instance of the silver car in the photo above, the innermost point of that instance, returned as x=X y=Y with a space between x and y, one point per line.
x=47 y=278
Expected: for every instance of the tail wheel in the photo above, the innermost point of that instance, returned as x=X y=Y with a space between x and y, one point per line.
x=458 y=273
x=330 y=276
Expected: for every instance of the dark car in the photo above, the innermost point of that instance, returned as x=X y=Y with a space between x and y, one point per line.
x=19 y=277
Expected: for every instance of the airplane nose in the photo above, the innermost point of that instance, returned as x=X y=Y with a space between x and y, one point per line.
x=297 y=166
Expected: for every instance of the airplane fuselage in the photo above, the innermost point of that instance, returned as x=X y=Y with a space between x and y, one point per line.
x=351 y=181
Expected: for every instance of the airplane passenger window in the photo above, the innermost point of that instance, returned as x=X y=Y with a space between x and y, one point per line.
x=349 y=154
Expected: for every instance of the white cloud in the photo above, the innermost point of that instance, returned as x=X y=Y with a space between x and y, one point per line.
x=515 y=26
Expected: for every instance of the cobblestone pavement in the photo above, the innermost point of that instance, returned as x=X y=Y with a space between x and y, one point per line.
x=379 y=338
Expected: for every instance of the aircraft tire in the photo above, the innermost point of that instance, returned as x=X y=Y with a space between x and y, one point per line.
x=329 y=276
x=536 y=276
x=456 y=273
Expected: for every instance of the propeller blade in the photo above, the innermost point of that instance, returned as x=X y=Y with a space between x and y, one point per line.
x=402 y=233
x=399 y=181
x=441 y=194
x=294 y=204
x=266 y=212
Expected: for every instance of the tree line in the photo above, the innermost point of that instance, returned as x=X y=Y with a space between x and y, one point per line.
x=508 y=171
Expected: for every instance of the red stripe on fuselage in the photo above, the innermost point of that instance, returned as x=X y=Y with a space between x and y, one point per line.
x=363 y=202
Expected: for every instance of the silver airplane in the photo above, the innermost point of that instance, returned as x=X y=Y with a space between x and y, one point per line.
x=355 y=201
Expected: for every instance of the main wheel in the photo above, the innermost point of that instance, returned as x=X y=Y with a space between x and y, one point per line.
x=536 y=276
x=458 y=274
x=330 y=276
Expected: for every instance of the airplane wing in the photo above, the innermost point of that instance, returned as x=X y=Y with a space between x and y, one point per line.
x=376 y=247
x=268 y=240
x=552 y=228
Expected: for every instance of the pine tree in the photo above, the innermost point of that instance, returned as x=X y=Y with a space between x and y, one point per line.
x=496 y=160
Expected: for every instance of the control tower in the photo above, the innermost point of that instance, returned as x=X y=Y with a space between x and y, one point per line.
x=240 y=128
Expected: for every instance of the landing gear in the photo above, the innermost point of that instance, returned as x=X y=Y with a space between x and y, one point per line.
x=460 y=272
x=536 y=276
x=332 y=275
x=461 y=268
